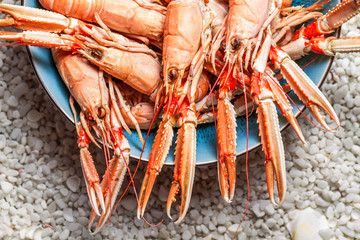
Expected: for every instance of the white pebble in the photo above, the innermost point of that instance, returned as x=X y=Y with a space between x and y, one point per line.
x=357 y=101
x=326 y=233
x=60 y=202
x=64 y=235
x=12 y=101
x=270 y=222
x=163 y=194
x=2 y=141
x=269 y=209
x=186 y=235
x=163 y=234
x=73 y=183
x=64 y=191
x=52 y=164
x=302 y=163
x=340 y=207
x=321 y=202
x=30 y=168
x=221 y=218
x=74 y=226
x=20 y=89
x=68 y=215
x=341 y=93
x=11 y=172
x=129 y=203
x=33 y=116
x=313 y=149
x=257 y=211
x=221 y=229
x=35 y=217
x=348 y=143
x=355 y=214
x=6 y=187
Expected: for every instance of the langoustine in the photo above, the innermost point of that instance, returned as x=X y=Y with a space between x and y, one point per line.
x=186 y=41
x=126 y=16
x=87 y=85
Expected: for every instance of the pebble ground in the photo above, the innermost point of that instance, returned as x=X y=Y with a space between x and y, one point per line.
x=43 y=195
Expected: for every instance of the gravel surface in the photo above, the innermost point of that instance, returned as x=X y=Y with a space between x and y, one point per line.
x=43 y=194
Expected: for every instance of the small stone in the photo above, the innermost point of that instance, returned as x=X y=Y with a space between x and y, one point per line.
x=232 y=229
x=212 y=227
x=221 y=229
x=16 y=133
x=341 y=93
x=302 y=163
x=139 y=222
x=269 y=209
x=348 y=143
x=64 y=235
x=41 y=187
x=73 y=183
x=325 y=233
x=68 y=215
x=12 y=101
x=35 y=217
x=270 y=222
x=6 y=187
x=163 y=194
x=61 y=204
x=83 y=221
x=320 y=202
x=156 y=213
x=357 y=101
x=257 y=211
x=20 y=89
x=322 y=184
x=313 y=149
x=326 y=195
x=347 y=232
x=355 y=214
x=340 y=207
x=64 y=191
x=33 y=116
x=163 y=234
x=129 y=203
x=30 y=168
x=2 y=141
x=221 y=218
x=186 y=235
x=74 y=226
x=30 y=233
x=52 y=164
x=47 y=232
x=194 y=214
x=11 y=172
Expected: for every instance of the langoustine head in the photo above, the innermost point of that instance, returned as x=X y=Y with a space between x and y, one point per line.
x=87 y=85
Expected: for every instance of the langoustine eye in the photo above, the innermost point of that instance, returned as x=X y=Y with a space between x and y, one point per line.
x=97 y=54
x=173 y=74
x=100 y=111
x=235 y=43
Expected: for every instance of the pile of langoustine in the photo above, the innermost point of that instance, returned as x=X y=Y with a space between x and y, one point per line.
x=172 y=55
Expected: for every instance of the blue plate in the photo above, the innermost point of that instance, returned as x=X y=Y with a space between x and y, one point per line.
x=206 y=140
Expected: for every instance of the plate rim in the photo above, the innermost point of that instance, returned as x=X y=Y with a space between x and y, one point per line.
x=136 y=158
